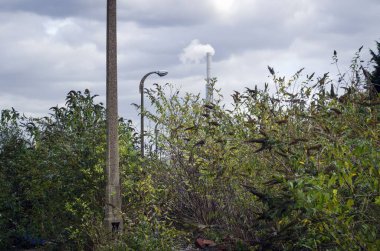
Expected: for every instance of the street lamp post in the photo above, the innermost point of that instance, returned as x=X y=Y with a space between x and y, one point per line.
x=156 y=139
x=161 y=74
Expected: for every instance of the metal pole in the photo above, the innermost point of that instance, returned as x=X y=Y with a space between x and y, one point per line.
x=113 y=219
x=142 y=116
x=156 y=138
x=161 y=74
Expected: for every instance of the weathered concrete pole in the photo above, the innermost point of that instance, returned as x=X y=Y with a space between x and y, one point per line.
x=113 y=219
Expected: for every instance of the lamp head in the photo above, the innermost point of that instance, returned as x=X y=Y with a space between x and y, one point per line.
x=161 y=73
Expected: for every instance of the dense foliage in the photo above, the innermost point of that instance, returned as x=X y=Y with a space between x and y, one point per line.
x=375 y=76
x=293 y=169
x=298 y=169
x=52 y=173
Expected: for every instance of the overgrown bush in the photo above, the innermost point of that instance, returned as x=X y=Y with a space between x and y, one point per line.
x=53 y=184
x=292 y=169
x=297 y=168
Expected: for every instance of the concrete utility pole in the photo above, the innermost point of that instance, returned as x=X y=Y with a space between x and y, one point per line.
x=113 y=220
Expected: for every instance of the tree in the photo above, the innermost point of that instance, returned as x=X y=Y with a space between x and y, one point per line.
x=52 y=174
x=375 y=78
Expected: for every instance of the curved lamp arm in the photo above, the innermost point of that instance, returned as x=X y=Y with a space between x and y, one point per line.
x=159 y=73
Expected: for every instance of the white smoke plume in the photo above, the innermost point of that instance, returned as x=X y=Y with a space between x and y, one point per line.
x=195 y=52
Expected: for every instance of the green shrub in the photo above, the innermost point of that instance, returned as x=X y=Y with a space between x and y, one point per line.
x=293 y=169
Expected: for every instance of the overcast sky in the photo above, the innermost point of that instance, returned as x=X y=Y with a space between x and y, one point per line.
x=49 y=47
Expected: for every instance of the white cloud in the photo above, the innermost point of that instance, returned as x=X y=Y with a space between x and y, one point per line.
x=52 y=27
x=50 y=47
x=225 y=7
x=195 y=52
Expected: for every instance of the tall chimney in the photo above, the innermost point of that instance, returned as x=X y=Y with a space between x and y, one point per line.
x=208 y=85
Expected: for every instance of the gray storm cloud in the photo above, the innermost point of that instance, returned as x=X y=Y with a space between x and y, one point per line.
x=195 y=52
x=49 y=47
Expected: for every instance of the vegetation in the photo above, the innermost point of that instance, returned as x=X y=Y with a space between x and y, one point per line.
x=294 y=169
x=375 y=77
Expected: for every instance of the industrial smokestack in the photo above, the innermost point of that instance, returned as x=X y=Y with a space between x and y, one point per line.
x=208 y=74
